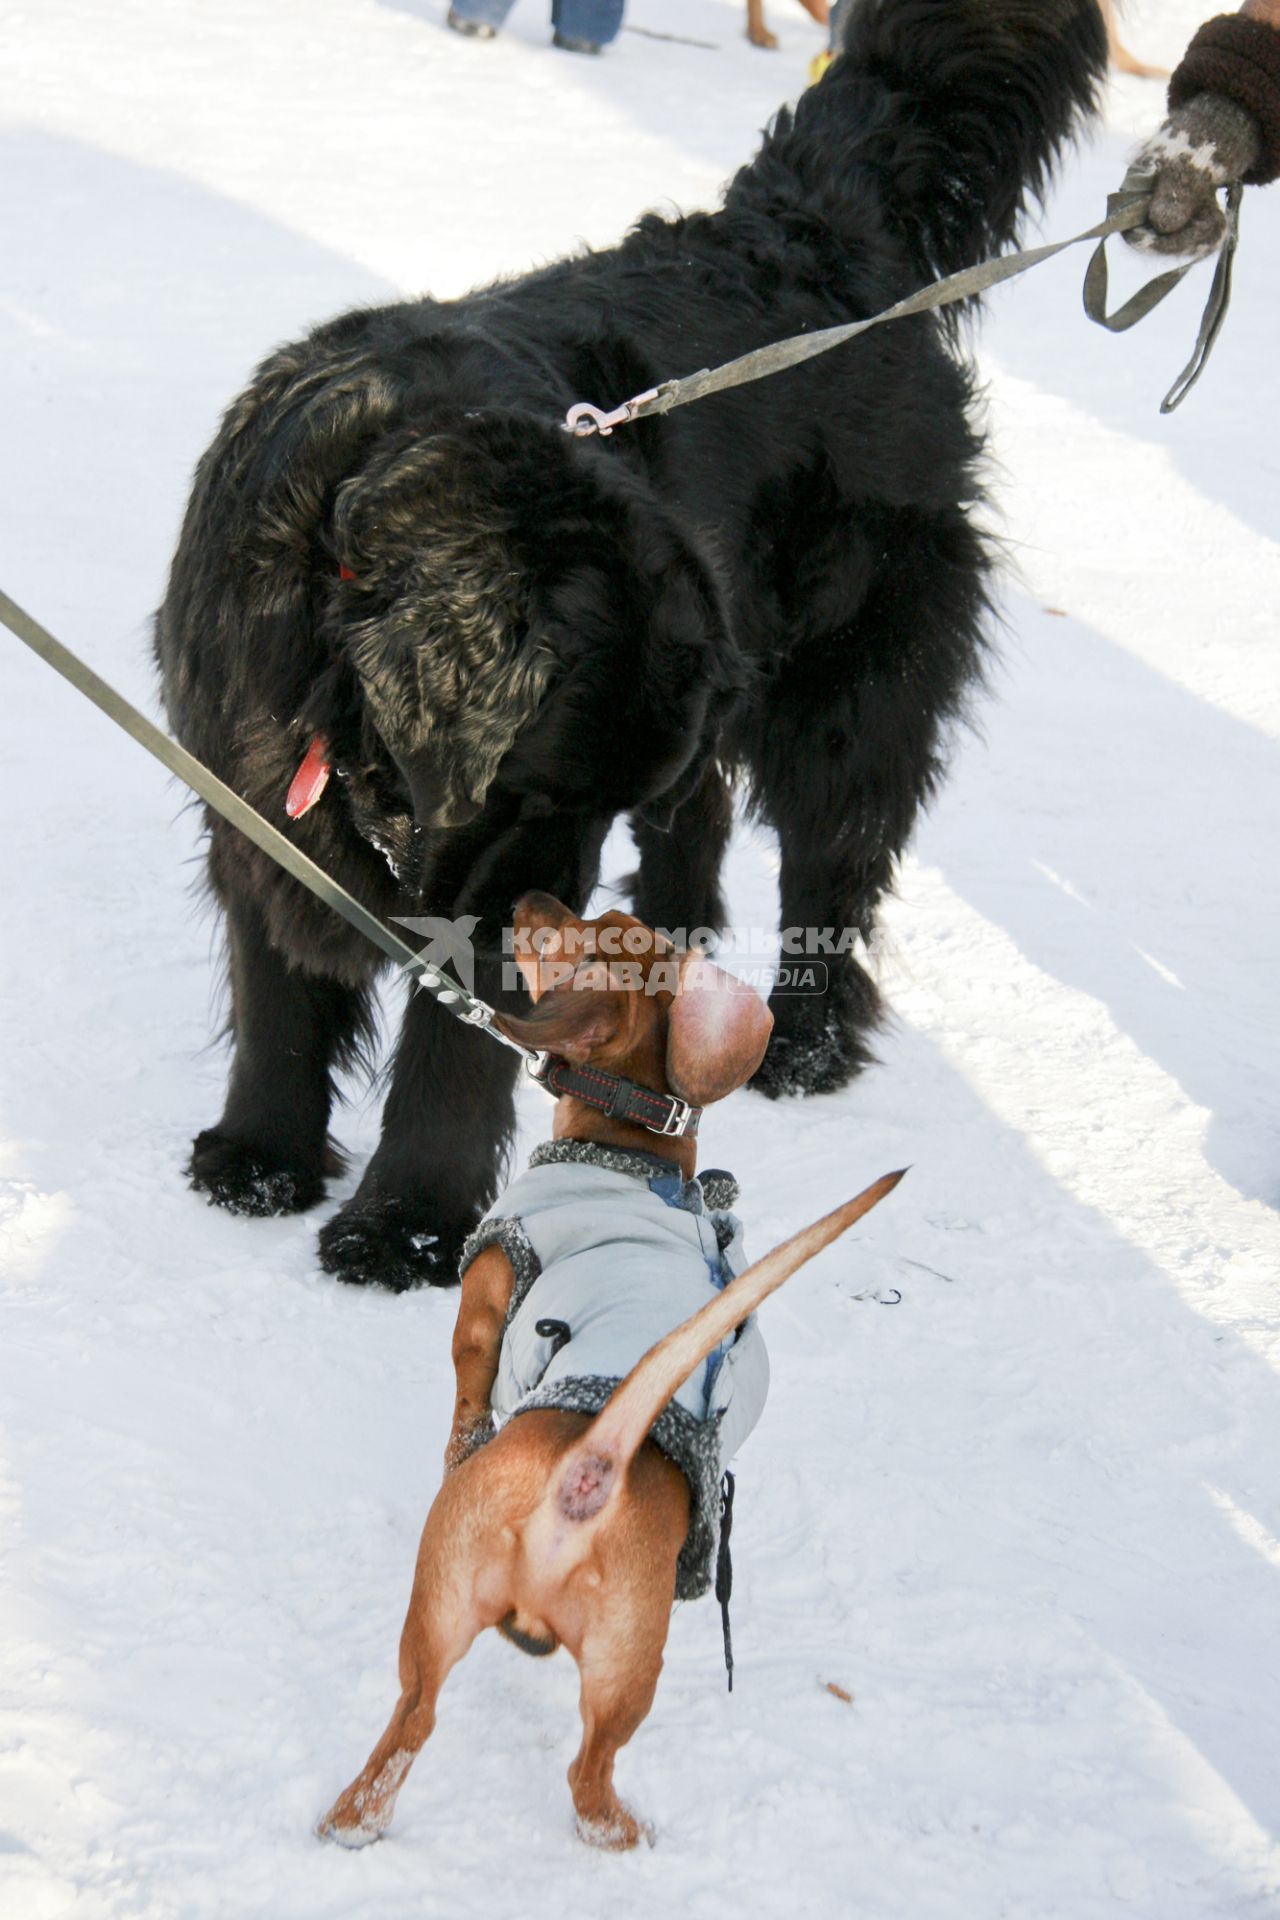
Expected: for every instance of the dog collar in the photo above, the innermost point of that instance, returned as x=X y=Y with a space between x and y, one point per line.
x=620 y=1099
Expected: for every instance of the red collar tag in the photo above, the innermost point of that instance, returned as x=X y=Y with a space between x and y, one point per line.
x=310 y=781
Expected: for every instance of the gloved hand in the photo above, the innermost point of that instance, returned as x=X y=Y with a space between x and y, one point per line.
x=1202 y=146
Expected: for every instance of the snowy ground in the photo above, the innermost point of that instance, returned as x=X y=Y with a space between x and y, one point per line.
x=1028 y=1517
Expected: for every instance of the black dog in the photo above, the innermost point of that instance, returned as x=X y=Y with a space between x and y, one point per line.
x=501 y=637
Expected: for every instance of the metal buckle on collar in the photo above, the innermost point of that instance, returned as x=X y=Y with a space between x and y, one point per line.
x=677 y=1121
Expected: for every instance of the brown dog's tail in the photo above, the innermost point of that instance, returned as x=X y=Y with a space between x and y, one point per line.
x=595 y=1466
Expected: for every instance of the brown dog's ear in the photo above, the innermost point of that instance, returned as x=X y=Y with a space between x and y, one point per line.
x=545 y=950
x=573 y=1021
x=716 y=1034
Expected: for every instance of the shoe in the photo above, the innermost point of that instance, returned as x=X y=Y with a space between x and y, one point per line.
x=470 y=29
x=568 y=44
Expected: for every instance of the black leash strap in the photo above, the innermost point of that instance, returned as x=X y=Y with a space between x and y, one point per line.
x=1125 y=209
x=194 y=774
x=724 y=1571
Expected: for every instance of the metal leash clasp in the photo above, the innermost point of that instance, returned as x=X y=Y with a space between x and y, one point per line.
x=583 y=419
x=472 y=1011
x=537 y=1066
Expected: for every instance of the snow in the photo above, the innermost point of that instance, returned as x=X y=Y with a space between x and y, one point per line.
x=1027 y=1517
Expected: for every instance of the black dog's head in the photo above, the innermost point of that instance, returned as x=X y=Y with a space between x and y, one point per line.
x=525 y=611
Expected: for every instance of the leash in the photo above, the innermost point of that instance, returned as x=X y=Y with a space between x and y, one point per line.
x=608 y=1092
x=724 y=1571
x=448 y=992
x=1126 y=208
x=674 y=39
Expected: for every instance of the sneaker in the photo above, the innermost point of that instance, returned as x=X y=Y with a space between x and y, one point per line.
x=568 y=44
x=470 y=29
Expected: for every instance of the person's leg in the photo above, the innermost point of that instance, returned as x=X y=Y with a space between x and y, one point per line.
x=479 y=13
x=593 y=23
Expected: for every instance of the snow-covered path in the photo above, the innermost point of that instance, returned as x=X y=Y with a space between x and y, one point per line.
x=1029 y=1517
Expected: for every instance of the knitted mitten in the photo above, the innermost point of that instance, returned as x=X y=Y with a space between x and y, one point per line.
x=1223 y=125
x=1202 y=146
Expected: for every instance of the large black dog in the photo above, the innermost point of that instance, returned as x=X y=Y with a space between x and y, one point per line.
x=503 y=636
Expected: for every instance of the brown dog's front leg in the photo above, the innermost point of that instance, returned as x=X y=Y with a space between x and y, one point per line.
x=477 y=1341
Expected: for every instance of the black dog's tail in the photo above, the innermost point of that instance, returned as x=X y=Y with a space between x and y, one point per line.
x=946 y=114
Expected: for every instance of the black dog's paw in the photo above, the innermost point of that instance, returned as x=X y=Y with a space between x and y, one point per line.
x=248 y=1179
x=816 y=1056
x=384 y=1241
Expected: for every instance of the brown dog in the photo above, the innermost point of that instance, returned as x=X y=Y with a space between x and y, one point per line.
x=758 y=33
x=561 y=1529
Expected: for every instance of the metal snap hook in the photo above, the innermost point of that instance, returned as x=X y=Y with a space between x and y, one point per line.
x=583 y=419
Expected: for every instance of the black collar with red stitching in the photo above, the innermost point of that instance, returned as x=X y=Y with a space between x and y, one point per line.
x=620 y=1099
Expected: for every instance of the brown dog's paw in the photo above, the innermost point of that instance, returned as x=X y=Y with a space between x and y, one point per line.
x=349 y=1837
x=614 y=1830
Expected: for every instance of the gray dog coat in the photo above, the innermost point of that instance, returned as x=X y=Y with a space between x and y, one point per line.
x=613 y=1249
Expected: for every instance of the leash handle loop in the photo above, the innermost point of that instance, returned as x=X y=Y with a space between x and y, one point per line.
x=1135 y=193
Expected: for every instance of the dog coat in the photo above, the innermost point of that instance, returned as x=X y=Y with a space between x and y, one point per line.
x=615 y=1248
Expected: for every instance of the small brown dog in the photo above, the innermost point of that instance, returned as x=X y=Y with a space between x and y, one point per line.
x=758 y=33
x=563 y=1529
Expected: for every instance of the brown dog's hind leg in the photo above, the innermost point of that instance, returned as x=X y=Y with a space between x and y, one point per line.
x=619 y=1669
x=444 y=1618
x=621 y=1631
x=363 y=1812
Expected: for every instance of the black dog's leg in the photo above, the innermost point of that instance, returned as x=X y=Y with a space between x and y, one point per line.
x=446 y=1126
x=449 y=1113
x=825 y=1004
x=850 y=748
x=677 y=884
x=269 y=1152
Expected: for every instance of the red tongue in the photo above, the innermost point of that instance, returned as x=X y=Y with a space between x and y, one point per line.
x=310 y=781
